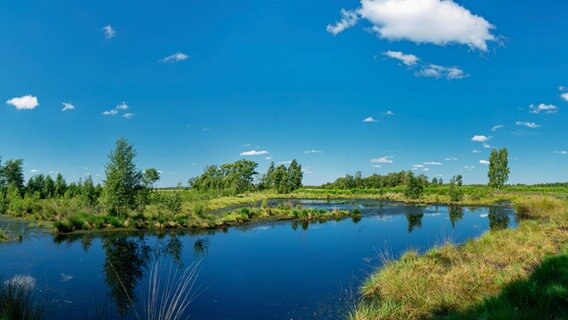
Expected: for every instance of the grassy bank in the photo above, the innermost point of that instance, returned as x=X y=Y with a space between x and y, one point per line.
x=471 y=280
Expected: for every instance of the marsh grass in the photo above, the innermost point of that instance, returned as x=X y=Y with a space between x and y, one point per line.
x=18 y=302
x=451 y=279
x=169 y=298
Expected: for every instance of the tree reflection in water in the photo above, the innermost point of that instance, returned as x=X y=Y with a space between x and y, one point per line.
x=456 y=214
x=498 y=218
x=414 y=216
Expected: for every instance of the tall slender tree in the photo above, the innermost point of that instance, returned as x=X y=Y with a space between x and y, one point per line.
x=498 y=168
x=123 y=180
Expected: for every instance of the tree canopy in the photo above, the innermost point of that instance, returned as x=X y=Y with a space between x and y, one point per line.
x=498 y=168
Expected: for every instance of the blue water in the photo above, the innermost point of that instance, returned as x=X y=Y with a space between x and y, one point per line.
x=277 y=270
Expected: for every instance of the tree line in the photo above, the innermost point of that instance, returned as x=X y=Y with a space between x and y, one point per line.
x=241 y=176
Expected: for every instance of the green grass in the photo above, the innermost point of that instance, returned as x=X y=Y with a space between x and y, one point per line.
x=543 y=295
x=17 y=301
x=454 y=279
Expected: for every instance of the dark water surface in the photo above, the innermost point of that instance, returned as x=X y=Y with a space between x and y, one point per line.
x=277 y=270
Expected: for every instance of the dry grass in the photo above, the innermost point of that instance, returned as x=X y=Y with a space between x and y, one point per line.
x=453 y=278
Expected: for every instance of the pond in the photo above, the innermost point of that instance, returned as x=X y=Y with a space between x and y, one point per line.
x=276 y=270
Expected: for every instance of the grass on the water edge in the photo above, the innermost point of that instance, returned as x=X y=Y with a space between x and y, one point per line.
x=18 y=301
x=480 y=277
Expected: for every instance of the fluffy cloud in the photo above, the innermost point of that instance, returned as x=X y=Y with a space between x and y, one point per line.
x=439 y=22
x=547 y=108
x=527 y=124
x=348 y=19
x=437 y=71
x=469 y=168
x=109 y=31
x=388 y=113
x=27 y=102
x=122 y=106
x=407 y=59
x=119 y=107
x=385 y=159
x=480 y=138
x=312 y=151
x=254 y=153
x=176 y=57
x=561 y=152
x=369 y=120
x=483 y=161
x=497 y=127
x=486 y=145
x=417 y=166
x=564 y=96
x=433 y=163
x=451 y=159
x=475 y=151
x=34 y=171
x=67 y=106
x=112 y=112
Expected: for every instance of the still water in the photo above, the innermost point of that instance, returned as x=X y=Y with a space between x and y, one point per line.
x=276 y=270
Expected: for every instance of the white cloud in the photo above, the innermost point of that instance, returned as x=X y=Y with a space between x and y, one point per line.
x=527 y=124
x=451 y=159
x=246 y=145
x=426 y=169
x=469 y=168
x=112 y=112
x=348 y=19
x=128 y=115
x=268 y=158
x=486 y=145
x=417 y=166
x=388 y=113
x=433 y=163
x=285 y=162
x=439 y=22
x=407 y=59
x=437 y=71
x=109 y=31
x=564 y=96
x=34 y=171
x=476 y=151
x=27 y=102
x=312 y=151
x=561 y=152
x=67 y=106
x=369 y=120
x=122 y=106
x=254 y=153
x=547 y=108
x=176 y=57
x=483 y=161
x=376 y=166
x=385 y=159
x=480 y=138
x=497 y=127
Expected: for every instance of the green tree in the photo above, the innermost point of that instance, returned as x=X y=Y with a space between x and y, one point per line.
x=151 y=176
x=280 y=179
x=123 y=180
x=295 y=176
x=13 y=174
x=414 y=186
x=498 y=168
x=60 y=185
x=267 y=181
x=88 y=192
x=456 y=192
x=48 y=189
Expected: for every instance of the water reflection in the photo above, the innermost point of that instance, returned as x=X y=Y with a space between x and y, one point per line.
x=456 y=214
x=498 y=218
x=414 y=217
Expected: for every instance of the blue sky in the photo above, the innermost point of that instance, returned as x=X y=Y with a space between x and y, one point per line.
x=193 y=83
